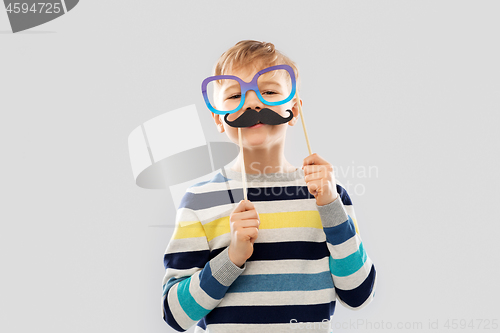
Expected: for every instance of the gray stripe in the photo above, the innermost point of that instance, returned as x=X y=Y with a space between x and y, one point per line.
x=333 y=213
x=224 y=270
x=264 y=177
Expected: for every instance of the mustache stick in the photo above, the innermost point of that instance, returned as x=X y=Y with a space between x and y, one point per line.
x=243 y=172
x=240 y=142
x=303 y=123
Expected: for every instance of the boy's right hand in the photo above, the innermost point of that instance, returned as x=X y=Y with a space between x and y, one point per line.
x=244 y=222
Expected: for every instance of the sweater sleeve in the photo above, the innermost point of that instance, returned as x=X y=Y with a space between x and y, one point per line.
x=193 y=284
x=353 y=272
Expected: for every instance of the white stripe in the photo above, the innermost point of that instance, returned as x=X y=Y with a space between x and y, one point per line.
x=177 y=312
x=345 y=249
x=187 y=245
x=178 y=273
x=237 y=185
x=210 y=214
x=355 y=279
x=280 y=206
x=200 y=296
x=350 y=211
x=220 y=241
x=185 y=214
x=279 y=298
x=276 y=235
x=287 y=266
x=290 y=235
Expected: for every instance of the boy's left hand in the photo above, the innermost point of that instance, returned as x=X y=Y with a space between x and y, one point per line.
x=320 y=179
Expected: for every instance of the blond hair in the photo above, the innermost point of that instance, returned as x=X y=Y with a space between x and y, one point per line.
x=255 y=53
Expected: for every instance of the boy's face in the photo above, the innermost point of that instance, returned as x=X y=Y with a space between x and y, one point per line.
x=260 y=135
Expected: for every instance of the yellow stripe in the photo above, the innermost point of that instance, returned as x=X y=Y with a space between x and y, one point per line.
x=301 y=219
x=189 y=229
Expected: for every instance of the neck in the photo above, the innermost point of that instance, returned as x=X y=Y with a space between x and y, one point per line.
x=264 y=160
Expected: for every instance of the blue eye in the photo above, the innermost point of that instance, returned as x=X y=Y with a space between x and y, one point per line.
x=234 y=96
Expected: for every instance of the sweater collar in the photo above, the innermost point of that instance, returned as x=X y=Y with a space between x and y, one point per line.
x=263 y=177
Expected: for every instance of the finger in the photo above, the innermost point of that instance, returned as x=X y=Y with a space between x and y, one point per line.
x=247 y=234
x=248 y=214
x=321 y=187
x=316 y=187
x=308 y=169
x=312 y=187
x=239 y=224
x=314 y=159
x=253 y=233
x=244 y=205
x=315 y=176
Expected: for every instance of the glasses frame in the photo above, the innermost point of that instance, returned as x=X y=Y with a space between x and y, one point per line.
x=246 y=86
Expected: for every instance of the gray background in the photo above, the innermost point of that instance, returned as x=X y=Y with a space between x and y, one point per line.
x=410 y=87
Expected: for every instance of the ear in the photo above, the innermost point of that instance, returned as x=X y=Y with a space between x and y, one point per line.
x=295 y=111
x=218 y=122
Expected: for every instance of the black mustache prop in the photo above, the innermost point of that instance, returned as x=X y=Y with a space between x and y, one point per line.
x=251 y=117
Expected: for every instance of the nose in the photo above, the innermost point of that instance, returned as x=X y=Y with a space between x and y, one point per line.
x=252 y=101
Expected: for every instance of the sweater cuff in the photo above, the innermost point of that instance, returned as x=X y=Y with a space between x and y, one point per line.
x=332 y=214
x=224 y=270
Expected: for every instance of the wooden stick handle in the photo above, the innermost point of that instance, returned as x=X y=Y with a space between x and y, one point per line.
x=303 y=123
x=242 y=161
x=309 y=147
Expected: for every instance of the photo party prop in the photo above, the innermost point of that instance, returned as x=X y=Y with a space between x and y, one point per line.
x=26 y=14
x=275 y=85
x=252 y=117
x=163 y=156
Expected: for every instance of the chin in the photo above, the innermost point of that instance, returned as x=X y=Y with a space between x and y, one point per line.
x=256 y=140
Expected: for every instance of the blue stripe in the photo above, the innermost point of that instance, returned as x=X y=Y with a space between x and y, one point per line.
x=278 y=193
x=272 y=314
x=215 y=252
x=358 y=295
x=197 y=201
x=281 y=282
x=350 y=264
x=188 y=303
x=171 y=282
x=210 y=285
x=202 y=323
x=169 y=318
x=340 y=233
x=284 y=251
x=346 y=200
x=186 y=260
x=289 y=250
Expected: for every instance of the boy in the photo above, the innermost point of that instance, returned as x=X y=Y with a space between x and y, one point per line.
x=279 y=260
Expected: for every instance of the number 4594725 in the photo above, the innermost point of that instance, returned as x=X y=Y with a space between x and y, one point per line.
x=38 y=7
x=471 y=324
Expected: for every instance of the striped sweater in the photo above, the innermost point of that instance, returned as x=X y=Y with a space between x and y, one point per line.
x=305 y=258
